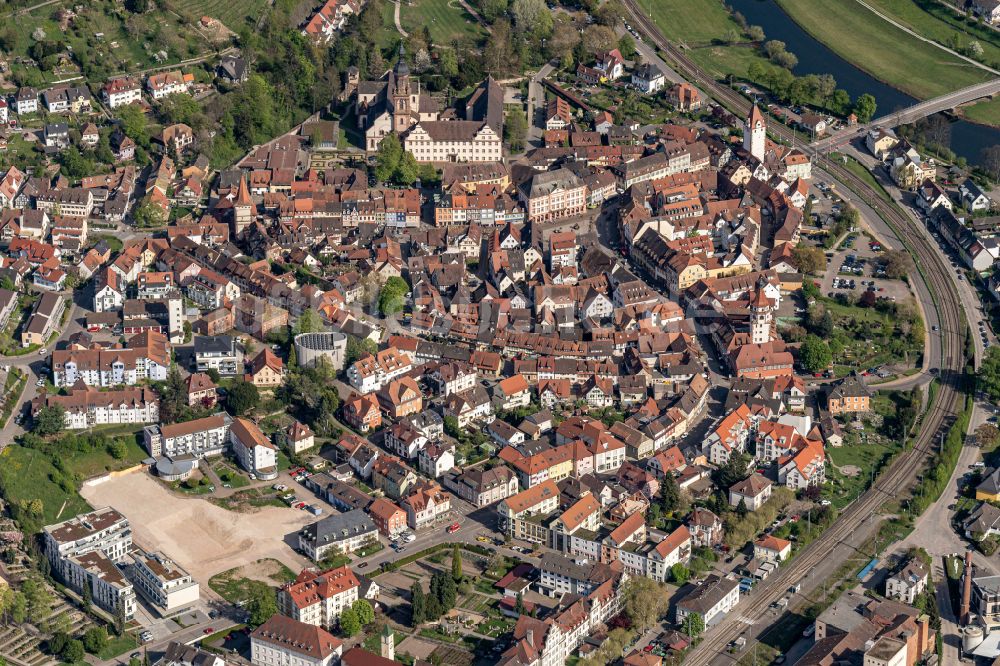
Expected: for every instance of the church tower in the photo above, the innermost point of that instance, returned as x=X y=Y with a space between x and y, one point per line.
x=401 y=94
x=755 y=133
x=761 y=315
x=388 y=643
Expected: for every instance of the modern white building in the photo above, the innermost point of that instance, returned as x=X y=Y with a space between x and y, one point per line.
x=103 y=529
x=108 y=587
x=83 y=551
x=216 y=352
x=162 y=582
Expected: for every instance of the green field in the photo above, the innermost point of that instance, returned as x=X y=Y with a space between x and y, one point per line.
x=692 y=22
x=446 y=19
x=118 y=645
x=27 y=474
x=885 y=51
x=702 y=26
x=233 y=13
x=722 y=61
x=30 y=474
x=931 y=19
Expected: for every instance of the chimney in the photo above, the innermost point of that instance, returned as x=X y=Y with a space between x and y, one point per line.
x=963 y=615
x=530 y=637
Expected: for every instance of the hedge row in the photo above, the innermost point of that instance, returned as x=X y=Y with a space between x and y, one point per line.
x=936 y=479
x=410 y=559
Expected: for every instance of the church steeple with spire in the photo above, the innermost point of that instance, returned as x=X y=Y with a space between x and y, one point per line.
x=402 y=95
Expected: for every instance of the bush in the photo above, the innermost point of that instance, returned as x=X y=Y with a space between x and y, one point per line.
x=95 y=639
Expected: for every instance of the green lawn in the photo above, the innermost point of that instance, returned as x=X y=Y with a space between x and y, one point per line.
x=26 y=474
x=446 y=19
x=113 y=242
x=986 y=112
x=885 y=51
x=702 y=25
x=693 y=22
x=943 y=24
x=118 y=645
x=228 y=473
x=722 y=61
x=97 y=462
x=841 y=489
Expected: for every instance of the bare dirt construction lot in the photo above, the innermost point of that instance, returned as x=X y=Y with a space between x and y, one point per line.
x=203 y=538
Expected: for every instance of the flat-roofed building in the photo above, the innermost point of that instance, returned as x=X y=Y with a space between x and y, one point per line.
x=162 y=582
x=83 y=552
x=108 y=587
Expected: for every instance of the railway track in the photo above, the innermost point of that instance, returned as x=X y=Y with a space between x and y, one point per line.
x=902 y=472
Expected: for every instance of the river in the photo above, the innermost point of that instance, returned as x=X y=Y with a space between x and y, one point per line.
x=967 y=139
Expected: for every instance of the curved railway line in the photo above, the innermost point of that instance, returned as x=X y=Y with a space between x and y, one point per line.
x=903 y=471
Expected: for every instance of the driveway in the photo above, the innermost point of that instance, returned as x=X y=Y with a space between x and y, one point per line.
x=536 y=105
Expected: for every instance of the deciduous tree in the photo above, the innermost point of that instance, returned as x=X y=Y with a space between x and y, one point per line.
x=365 y=612
x=350 y=625
x=261 y=603
x=645 y=602
x=598 y=38
x=815 y=354
x=50 y=420
x=865 y=106
x=809 y=260
x=392 y=296
x=989 y=373
x=243 y=397
x=516 y=130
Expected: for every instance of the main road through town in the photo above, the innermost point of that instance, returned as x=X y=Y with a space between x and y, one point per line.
x=943 y=299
